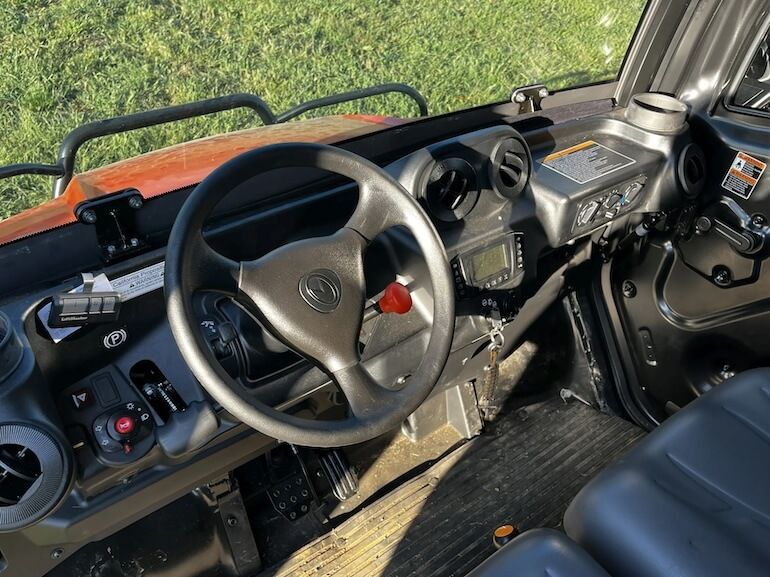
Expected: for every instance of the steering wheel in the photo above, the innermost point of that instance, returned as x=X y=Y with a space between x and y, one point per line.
x=309 y=294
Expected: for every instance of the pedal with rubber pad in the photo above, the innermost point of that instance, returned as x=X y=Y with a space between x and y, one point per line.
x=342 y=477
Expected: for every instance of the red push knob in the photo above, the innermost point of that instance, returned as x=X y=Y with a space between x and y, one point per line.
x=125 y=425
x=396 y=299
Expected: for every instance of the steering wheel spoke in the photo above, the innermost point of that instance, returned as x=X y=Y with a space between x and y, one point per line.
x=365 y=397
x=210 y=270
x=375 y=212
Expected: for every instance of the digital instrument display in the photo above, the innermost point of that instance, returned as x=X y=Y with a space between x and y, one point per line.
x=490 y=262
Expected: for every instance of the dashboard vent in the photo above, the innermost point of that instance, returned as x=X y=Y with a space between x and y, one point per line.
x=19 y=470
x=35 y=474
x=451 y=191
x=510 y=167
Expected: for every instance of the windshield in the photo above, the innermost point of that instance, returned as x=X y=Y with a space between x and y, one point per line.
x=73 y=61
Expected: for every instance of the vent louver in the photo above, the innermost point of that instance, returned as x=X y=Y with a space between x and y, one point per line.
x=510 y=167
x=19 y=470
x=451 y=190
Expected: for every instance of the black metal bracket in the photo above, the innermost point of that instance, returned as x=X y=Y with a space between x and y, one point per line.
x=114 y=217
x=529 y=97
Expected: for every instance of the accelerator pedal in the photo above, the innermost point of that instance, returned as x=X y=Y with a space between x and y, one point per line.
x=342 y=477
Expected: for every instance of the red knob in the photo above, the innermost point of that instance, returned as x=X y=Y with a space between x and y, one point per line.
x=396 y=299
x=125 y=425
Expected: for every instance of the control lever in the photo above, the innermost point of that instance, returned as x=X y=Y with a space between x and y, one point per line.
x=395 y=299
x=732 y=223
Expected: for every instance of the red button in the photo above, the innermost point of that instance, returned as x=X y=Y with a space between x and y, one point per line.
x=124 y=425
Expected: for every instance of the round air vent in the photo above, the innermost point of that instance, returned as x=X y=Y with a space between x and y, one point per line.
x=34 y=475
x=451 y=191
x=510 y=167
x=691 y=170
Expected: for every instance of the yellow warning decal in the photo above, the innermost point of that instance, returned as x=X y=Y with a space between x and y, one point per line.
x=586 y=161
x=570 y=150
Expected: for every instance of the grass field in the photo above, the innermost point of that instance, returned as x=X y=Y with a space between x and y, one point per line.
x=65 y=62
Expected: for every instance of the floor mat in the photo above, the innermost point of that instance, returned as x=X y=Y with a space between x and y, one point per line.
x=524 y=470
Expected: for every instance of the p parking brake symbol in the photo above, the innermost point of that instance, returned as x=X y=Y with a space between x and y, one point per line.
x=115 y=339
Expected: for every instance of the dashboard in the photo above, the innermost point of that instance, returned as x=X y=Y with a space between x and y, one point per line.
x=130 y=424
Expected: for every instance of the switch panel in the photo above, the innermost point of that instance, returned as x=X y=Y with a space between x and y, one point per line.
x=124 y=433
x=608 y=205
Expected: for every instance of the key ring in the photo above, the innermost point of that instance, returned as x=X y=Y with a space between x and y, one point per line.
x=497 y=340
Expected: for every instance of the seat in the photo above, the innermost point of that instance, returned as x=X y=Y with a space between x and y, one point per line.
x=539 y=552
x=693 y=498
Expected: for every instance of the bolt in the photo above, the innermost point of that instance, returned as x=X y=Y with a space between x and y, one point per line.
x=758 y=220
x=292 y=515
x=232 y=521
x=702 y=225
x=721 y=276
x=111 y=249
x=135 y=202
x=519 y=97
x=543 y=92
x=727 y=372
x=88 y=216
x=57 y=553
x=134 y=242
x=628 y=289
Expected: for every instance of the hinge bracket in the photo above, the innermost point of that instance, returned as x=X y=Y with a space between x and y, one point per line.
x=114 y=217
x=529 y=97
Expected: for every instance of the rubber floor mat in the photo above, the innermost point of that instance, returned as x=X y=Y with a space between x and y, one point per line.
x=524 y=470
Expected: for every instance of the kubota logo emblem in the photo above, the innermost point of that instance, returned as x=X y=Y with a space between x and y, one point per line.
x=321 y=289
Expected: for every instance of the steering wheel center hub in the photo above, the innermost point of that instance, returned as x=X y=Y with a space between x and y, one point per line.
x=321 y=289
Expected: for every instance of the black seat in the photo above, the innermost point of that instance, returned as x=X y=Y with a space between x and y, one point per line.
x=693 y=498
x=539 y=552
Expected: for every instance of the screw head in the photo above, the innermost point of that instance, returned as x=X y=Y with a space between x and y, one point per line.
x=721 y=276
x=135 y=202
x=111 y=248
x=57 y=553
x=628 y=289
x=88 y=216
x=232 y=521
x=758 y=220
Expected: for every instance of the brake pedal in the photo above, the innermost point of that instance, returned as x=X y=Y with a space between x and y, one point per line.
x=342 y=477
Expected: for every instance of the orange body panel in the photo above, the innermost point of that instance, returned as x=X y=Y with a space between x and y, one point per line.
x=180 y=166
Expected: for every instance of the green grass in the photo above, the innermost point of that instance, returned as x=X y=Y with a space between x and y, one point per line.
x=65 y=62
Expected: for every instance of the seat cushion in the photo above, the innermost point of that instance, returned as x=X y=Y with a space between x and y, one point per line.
x=693 y=498
x=538 y=553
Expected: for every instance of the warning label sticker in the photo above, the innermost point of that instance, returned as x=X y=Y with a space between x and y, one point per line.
x=586 y=161
x=743 y=175
x=139 y=282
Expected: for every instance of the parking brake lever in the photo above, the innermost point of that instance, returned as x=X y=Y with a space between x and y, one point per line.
x=732 y=223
